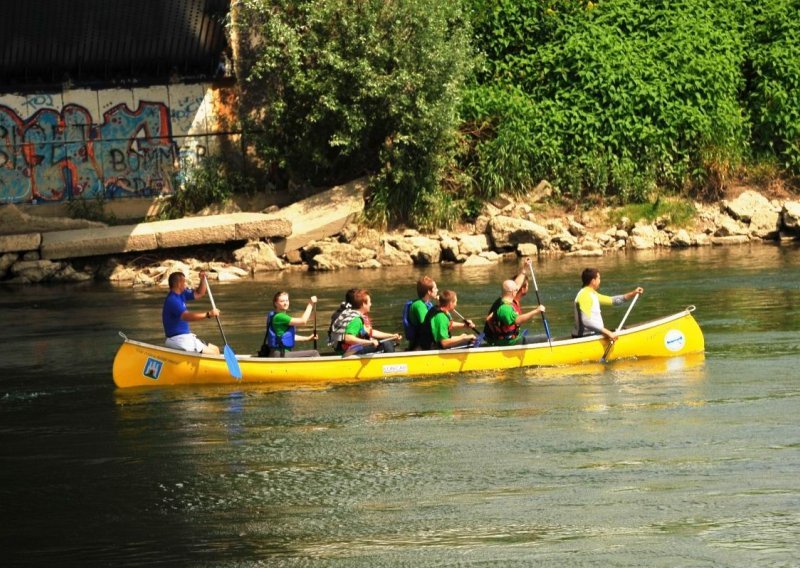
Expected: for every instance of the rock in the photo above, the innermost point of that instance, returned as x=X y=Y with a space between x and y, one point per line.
x=481 y=224
x=389 y=255
x=727 y=227
x=681 y=239
x=508 y=232
x=69 y=274
x=121 y=274
x=476 y=260
x=6 y=260
x=323 y=262
x=340 y=254
x=36 y=270
x=643 y=236
x=349 y=233
x=450 y=251
x=765 y=224
x=294 y=257
x=586 y=252
x=527 y=250
x=730 y=240
x=257 y=256
x=701 y=240
x=576 y=229
x=541 y=192
x=371 y=263
x=472 y=244
x=746 y=205
x=790 y=216
x=490 y=255
x=426 y=250
x=565 y=241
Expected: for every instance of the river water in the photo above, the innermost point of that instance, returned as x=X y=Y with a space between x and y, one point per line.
x=683 y=462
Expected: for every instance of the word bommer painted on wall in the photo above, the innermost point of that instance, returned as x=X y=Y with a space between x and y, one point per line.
x=56 y=154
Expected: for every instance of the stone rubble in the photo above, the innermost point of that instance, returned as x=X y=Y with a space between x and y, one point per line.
x=507 y=228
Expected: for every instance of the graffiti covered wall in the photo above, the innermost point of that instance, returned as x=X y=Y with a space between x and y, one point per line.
x=110 y=143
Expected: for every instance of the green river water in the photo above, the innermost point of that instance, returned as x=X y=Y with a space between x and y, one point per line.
x=681 y=462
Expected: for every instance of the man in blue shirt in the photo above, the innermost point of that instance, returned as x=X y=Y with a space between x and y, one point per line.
x=176 y=316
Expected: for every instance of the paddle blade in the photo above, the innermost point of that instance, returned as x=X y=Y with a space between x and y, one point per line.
x=478 y=340
x=233 y=363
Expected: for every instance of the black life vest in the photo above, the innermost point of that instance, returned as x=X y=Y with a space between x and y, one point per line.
x=426 y=341
x=413 y=331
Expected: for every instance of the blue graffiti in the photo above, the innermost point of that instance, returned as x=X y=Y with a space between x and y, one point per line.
x=56 y=156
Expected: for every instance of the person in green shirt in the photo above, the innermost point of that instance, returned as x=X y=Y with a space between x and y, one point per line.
x=427 y=294
x=281 y=334
x=439 y=324
x=359 y=336
x=506 y=317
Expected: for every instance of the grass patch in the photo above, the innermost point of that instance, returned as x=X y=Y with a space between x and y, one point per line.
x=677 y=212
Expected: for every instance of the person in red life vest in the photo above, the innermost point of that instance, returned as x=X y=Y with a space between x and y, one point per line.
x=506 y=316
x=176 y=317
x=438 y=326
x=359 y=336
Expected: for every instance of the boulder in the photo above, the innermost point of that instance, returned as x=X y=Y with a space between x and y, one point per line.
x=389 y=255
x=477 y=260
x=746 y=205
x=508 y=232
x=728 y=227
x=6 y=260
x=681 y=239
x=337 y=254
x=257 y=256
x=472 y=244
x=790 y=216
x=765 y=223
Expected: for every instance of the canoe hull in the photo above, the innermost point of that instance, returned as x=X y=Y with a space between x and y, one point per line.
x=140 y=364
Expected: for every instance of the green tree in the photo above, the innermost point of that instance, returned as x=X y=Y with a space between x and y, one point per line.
x=773 y=75
x=359 y=87
x=614 y=97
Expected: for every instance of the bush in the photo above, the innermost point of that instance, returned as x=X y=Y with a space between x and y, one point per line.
x=613 y=98
x=360 y=86
x=199 y=185
x=774 y=82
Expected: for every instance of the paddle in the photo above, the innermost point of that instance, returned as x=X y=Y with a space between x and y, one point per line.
x=539 y=302
x=619 y=327
x=315 y=327
x=478 y=336
x=475 y=331
x=230 y=356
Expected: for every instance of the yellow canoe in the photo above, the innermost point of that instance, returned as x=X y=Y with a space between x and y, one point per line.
x=140 y=364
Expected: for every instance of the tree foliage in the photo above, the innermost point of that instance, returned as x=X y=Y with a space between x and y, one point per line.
x=361 y=87
x=615 y=97
x=773 y=74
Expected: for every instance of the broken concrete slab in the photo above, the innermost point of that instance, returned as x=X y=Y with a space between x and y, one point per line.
x=321 y=215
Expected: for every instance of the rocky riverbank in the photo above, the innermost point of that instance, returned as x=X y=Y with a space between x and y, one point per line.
x=508 y=228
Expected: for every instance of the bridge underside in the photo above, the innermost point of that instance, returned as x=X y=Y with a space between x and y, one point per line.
x=101 y=42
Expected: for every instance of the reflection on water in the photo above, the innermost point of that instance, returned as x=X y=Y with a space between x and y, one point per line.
x=684 y=461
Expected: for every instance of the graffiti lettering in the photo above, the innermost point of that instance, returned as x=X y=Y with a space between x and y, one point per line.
x=55 y=155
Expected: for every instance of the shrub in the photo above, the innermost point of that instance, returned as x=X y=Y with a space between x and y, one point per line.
x=360 y=86
x=614 y=98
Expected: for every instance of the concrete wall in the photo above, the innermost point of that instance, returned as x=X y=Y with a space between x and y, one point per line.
x=112 y=143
